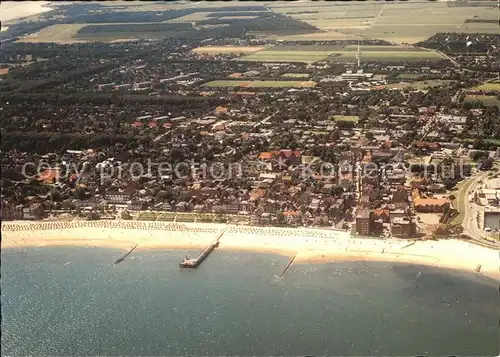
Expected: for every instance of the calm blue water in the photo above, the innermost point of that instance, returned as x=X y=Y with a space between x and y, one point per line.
x=234 y=304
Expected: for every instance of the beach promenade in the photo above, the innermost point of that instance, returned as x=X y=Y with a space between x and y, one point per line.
x=308 y=244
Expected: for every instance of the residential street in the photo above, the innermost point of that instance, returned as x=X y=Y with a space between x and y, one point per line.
x=469 y=209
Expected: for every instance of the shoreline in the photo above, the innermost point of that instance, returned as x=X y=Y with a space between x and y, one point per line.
x=310 y=245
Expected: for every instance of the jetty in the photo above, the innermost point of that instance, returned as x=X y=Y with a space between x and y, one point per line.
x=195 y=262
x=119 y=260
x=288 y=265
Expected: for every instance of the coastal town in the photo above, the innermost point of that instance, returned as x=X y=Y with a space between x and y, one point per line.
x=196 y=131
x=288 y=178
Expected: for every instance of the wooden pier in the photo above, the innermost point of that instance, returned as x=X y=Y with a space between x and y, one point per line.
x=195 y=262
x=119 y=260
x=288 y=265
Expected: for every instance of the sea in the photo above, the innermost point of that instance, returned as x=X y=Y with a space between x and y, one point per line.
x=76 y=302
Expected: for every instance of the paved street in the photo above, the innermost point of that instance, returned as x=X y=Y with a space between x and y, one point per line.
x=471 y=210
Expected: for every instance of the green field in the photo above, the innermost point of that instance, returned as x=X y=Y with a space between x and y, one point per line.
x=351 y=118
x=68 y=33
x=295 y=75
x=273 y=55
x=316 y=36
x=259 y=84
x=309 y=54
x=415 y=85
x=408 y=76
x=491 y=86
x=486 y=99
x=385 y=54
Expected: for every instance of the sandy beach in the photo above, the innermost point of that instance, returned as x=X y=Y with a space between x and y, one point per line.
x=309 y=245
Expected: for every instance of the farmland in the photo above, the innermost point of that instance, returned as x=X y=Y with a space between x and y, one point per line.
x=316 y=36
x=400 y=22
x=61 y=33
x=260 y=84
x=197 y=16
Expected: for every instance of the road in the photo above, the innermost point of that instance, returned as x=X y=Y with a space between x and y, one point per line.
x=470 y=210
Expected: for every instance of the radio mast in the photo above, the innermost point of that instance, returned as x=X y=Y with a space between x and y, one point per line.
x=358 y=56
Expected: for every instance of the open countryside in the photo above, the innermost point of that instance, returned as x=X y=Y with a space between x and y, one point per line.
x=408 y=22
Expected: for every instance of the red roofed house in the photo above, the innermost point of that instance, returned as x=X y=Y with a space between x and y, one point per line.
x=292 y=157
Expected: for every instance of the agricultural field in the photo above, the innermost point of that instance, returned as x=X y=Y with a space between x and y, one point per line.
x=351 y=118
x=295 y=75
x=197 y=16
x=237 y=17
x=491 y=86
x=228 y=49
x=399 y=22
x=316 y=36
x=260 y=84
x=415 y=85
x=486 y=99
x=80 y=33
x=61 y=33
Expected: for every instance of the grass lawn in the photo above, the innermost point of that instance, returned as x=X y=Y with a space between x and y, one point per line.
x=295 y=75
x=385 y=55
x=408 y=76
x=491 y=86
x=309 y=54
x=352 y=118
x=256 y=84
x=227 y=49
x=273 y=55
x=316 y=36
x=486 y=99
